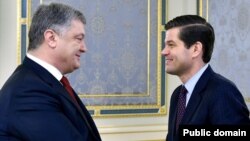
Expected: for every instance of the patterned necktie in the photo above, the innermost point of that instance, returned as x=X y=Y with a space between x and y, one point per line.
x=67 y=86
x=181 y=106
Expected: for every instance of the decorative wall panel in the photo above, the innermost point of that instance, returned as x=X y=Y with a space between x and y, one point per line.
x=121 y=74
x=231 y=22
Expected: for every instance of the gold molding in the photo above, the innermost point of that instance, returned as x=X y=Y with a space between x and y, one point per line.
x=18 y=32
x=201 y=10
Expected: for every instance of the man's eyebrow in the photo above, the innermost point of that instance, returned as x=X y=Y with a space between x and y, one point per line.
x=82 y=35
x=169 y=41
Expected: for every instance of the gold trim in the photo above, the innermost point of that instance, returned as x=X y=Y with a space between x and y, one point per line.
x=148 y=49
x=112 y=95
x=167 y=84
x=122 y=107
x=97 y=116
x=28 y=16
x=158 y=71
x=26 y=21
x=147 y=131
x=201 y=10
x=207 y=9
x=18 y=32
x=200 y=7
x=23 y=20
x=134 y=125
x=247 y=99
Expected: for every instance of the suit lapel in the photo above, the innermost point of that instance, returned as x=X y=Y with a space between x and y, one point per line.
x=81 y=109
x=55 y=84
x=40 y=72
x=87 y=118
x=197 y=95
x=46 y=76
x=173 y=108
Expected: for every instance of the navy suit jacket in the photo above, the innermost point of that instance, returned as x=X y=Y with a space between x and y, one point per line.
x=34 y=106
x=215 y=101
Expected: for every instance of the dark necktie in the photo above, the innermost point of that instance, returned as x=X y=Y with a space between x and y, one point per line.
x=67 y=86
x=181 y=106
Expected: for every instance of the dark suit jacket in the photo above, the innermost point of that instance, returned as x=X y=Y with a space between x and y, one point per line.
x=34 y=106
x=215 y=101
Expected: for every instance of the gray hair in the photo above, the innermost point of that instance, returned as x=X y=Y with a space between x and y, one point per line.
x=55 y=16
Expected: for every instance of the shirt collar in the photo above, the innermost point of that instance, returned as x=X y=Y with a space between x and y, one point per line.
x=190 y=84
x=53 y=70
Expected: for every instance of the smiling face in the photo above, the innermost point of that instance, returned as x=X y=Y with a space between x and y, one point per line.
x=70 y=46
x=178 y=58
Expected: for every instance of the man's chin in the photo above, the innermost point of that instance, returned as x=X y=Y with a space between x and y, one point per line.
x=168 y=71
x=77 y=67
x=77 y=64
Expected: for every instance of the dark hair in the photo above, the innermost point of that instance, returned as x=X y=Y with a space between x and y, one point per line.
x=194 y=28
x=54 y=16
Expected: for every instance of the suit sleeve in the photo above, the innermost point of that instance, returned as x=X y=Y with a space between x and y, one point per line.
x=228 y=107
x=38 y=116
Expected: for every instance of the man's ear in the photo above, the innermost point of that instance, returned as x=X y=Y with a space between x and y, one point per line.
x=50 y=38
x=197 y=49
